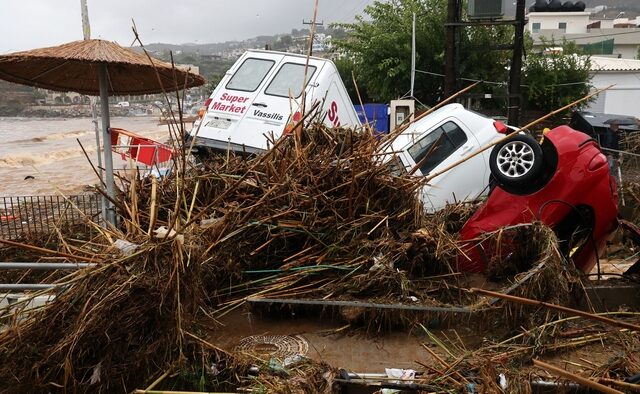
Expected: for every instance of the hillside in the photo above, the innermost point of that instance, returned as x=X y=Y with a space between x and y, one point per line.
x=620 y=4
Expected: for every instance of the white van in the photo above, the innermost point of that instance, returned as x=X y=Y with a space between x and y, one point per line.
x=260 y=96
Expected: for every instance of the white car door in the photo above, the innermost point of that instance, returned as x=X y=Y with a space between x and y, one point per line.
x=443 y=145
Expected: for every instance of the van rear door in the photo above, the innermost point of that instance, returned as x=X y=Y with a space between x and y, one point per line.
x=281 y=96
x=232 y=102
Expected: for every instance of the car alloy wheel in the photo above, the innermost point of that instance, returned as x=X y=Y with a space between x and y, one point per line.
x=515 y=159
x=517 y=162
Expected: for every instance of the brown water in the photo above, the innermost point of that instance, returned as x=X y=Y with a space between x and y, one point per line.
x=48 y=150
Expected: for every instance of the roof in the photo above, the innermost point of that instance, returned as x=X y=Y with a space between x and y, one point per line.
x=285 y=54
x=599 y=63
x=557 y=14
x=75 y=66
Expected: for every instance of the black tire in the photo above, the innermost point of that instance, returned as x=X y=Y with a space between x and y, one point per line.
x=554 y=6
x=517 y=162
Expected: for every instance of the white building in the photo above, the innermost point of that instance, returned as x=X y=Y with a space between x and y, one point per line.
x=567 y=22
x=624 y=97
x=618 y=37
x=617 y=23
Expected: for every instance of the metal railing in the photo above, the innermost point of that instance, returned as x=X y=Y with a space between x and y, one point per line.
x=26 y=215
x=38 y=267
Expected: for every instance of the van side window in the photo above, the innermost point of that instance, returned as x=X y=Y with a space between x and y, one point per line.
x=289 y=78
x=250 y=74
x=436 y=146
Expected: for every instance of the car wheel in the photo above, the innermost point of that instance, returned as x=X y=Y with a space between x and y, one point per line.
x=516 y=162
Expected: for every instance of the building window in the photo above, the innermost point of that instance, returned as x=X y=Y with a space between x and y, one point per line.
x=535 y=28
x=562 y=26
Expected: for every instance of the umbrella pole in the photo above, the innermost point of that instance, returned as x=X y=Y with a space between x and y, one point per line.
x=106 y=138
x=94 y=115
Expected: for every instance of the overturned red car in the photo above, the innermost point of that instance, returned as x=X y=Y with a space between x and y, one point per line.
x=564 y=182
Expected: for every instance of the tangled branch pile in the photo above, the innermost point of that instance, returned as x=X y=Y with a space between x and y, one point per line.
x=320 y=216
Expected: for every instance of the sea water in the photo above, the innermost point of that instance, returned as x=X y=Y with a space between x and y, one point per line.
x=42 y=156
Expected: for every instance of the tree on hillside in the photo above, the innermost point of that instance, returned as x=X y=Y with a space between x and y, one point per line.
x=379 y=45
x=556 y=76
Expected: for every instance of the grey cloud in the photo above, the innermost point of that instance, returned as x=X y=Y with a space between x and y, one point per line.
x=39 y=23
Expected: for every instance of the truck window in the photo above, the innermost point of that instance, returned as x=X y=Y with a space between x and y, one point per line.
x=289 y=78
x=436 y=146
x=250 y=74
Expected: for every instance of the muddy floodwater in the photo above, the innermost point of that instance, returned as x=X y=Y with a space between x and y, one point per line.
x=46 y=152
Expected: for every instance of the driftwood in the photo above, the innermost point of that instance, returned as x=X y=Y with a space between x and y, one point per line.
x=575 y=378
x=559 y=308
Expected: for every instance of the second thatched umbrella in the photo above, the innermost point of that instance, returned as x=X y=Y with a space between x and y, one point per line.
x=96 y=67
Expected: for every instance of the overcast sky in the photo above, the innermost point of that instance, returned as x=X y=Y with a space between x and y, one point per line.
x=28 y=24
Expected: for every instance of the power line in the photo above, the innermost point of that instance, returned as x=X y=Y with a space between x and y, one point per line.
x=505 y=83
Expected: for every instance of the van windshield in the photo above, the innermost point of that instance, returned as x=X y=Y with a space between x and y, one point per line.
x=250 y=74
x=289 y=79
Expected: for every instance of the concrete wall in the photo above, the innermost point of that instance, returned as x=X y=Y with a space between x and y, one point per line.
x=626 y=51
x=576 y=21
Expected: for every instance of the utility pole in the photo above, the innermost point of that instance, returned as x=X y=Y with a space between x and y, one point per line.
x=313 y=25
x=413 y=55
x=450 y=69
x=515 y=74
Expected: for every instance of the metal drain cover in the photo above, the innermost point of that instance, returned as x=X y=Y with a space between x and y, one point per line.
x=278 y=346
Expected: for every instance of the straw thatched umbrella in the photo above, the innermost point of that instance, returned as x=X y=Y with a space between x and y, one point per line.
x=96 y=67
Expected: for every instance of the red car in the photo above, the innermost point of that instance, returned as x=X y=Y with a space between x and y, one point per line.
x=563 y=182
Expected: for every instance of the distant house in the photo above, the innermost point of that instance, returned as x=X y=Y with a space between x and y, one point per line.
x=211 y=56
x=618 y=37
x=565 y=22
x=623 y=98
